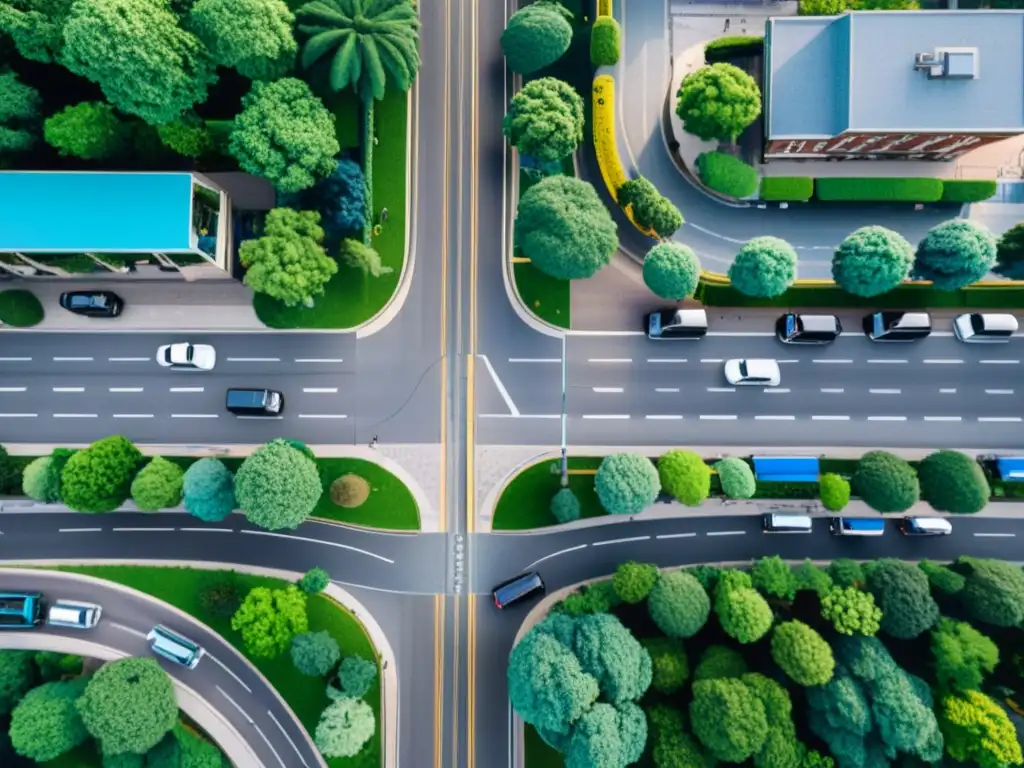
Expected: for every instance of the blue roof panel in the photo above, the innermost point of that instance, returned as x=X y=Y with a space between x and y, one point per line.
x=95 y=212
x=1011 y=468
x=797 y=469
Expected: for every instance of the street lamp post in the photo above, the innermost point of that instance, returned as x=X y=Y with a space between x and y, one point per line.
x=565 y=458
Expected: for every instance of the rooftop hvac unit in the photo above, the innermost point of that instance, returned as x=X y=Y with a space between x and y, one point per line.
x=949 y=63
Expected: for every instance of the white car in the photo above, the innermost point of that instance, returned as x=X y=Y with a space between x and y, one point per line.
x=756 y=373
x=184 y=355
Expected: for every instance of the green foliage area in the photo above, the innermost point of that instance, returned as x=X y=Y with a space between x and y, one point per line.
x=374 y=46
x=671 y=271
x=668 y=662
x=356 y=675
x=886 y=482
x=812 y=578
x=36 y=27
x=102 y=43
x=129 y=705
x=901 y=591
x=605 y=42
x=673 y=746
x=728 y=719
x=208 y=490
x=626 y=483
x=187 y=136
x=41 y=480
x=314 y=581
x=99 y=478
x=678 y=604
x=565 y=507
x=846 y=573
x=967 y=190
x=564 y=229
x=736 y=477
x=726 y=174
x=963 y=656
x=953 y=482
x=802 y=653
x=872 y=260
x=158 y=485
x=834 y=491
x=16 y=677
x=344 y=727
x=182 y=748
x=719 y=661
x=879 y=190
x=685 y=476
x=20 y=107
x=651 y=210
x=46 y=723
x=607 y=735
x=955 y=254
x=718 y=102
x=978 y=731
x=314 y=653
x=787 y=188
x=268 y=619
x=277 y=486
x=20 y=309
x=707 y=575
x=773 y=576
x=545 y=120
x=1010 y=253
x=633 y=581
x=253 y=36
x=994 y=591
x=90 y=130
x=285 y=134
x=536 y=36
x=733 y=46
x=764 y=267
x=744 y=615
x=221 y=594
x=942 y=579
x=851 y=611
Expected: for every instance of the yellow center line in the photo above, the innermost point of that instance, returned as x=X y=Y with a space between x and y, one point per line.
x=438 y=674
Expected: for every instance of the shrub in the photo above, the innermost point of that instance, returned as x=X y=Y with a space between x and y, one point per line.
x=607 y=149
x=651 y=211
x=720 y=661
x=953 y=482
x=626 y=483
x=209 y=490
x=41 y=480
x=764 y=267
x=967 y=190
x=834 y=491
x=678 y=604
x=942 y=579
x=350 y=491
x=802 y=654
x=685 y=476
x=726 y=174
x=99 y=478
x=634 y=581
x=314 y=653
x=733 y=46
x=886 y=482
x=605 y=42
x=955 y=254
x=668 y=663
x=872 y=260
x=565 y=506
x=356 y=675
x=1010 y=253
x=787 y=188
x=536 y=36
x=545 y=119
x=671 y=271
x=90 y=130
x=879 y=190
x=314 y=581
x=718 y=101
x=901 y=591
x=268 y=619
x=277 y=486
x=737 y=478
x=158 y=485
x=188 y=137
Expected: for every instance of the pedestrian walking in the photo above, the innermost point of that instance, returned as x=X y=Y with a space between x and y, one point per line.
x=373 y=442
x=727 y=23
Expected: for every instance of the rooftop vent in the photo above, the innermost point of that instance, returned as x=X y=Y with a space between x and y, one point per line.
x=949 y=63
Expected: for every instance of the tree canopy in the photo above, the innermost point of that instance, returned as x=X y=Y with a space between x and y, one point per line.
x=537 y=35
x=720 y=661
x=802 y=653
x=564 y=229
x=846 y=572
x=252 y=36
x=685 y=476
x=208 y=489
x=871 y=261
x=678 y=604
x=46 y=723
x=545 y=119
x=314 y=581
x=744 y=615
x=626 y=483
x=671 y=271
x=90 y=130
x=773 y=576
x=993 y=592
x=651 y=209
x=344 y=727
x=356 y=675
x=314 y=653
x=633 y=581
x=340 y=199
x=36 y=27
x=764 y=267
x=607 y=735
x=668 y=662
x=268 y=619
x=1009 y=252
x=99 y=478
x=954 y=254
x=565 y=506
x=16 y=677
x=718 y=101
x=902 y=593
x=41 y=480
x=851 y=611
x=728 y=719
x=736 y=477
x=158 y=485
x=978 y=731
x=20 y=107
x=886 y=482
x=834 y=491
x=953 y=482
x=963 y=656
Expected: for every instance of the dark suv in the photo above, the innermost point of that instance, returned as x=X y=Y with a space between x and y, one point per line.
x=92 y=303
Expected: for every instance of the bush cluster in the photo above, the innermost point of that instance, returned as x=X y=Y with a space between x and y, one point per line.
x=605 y=42
x=733 y=46
x=787 y=188
x=726 y=174
x=879 y=190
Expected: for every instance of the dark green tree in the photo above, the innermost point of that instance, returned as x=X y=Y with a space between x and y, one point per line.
x=314 y=653
x=764 y=267
x=565 y=506
x=871 y=261
x=181 y=748
x=253 y=36
x=720 y=661
x=718 y=102
x=953 y=482
x=846 y=573
x=208 y=490
x=36 y=27
x=651 y=210
x=90 y=130
x=187 y=136
x=886 y=482
x=537 y=36
x=545 y=120
x=678 y=604
x=356 y=675
x=963 y=656
x=773 y=576
x=901 y=591
x=1009 y=251
x=942 y=579
x=668 y=661
x=607 y=735
x=994 y=591
x=314 y=581
x=17 y=675
x=812 y=578
x=20 y=107
x=728 y=719
x=277 y=486
x=46 y=723
x=99 y=478
x=955 y=254
x=626 y=483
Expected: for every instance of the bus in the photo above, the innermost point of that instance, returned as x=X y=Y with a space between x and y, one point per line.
x=20 y=610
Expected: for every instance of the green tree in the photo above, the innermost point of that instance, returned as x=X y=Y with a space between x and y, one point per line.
x=736 y=477
x=678 y=604
x=358 y=255
x=993 y=592
x=626 y=483
x=744 y=615
x=55 y=666
x=356 y=675
x=901 y=591
x=181 y=748
x=846 y=572
x=17 y=675
x=605 y=42
x=564 y=229
x=537 y=36
x=673 y=746
x=36 y=27
x=253 y=36
x=46 y=723
x=41 y=480
x=834 y=491
x=871 y=261
x=277 y=486
x=651 y=209
x=954 y=254
x=607 y=735
x=633 y=581
x=812 y=578
x=314 y=581
x=978 y=731
x=99 y=478
x=772 y=575
x=823 y=7
x=728 y=719
x=208 y=490
x=720 y=661
x=145 y=64
x=851 y=611
x=886 y=482
x=707 y=575
x=268 y=619
x=90 y=130
x=314 y=653
x=188 y=136
x=802 y=653
x=285 y=134
x=158 y=485
x=20 y=106
x=671 y=271
x=685 y=476
x=765 y=267
x=609 y=652
x=565 y=506
x=124 y=760
x=344 y=727
x=942 y=579
x=840 y=715
x=129 y=705
x=953 y=482
x=372 y=45
x=718 y=101
x=545 y=120
x=963 y=656
x=1009 y=249
x=668 y=662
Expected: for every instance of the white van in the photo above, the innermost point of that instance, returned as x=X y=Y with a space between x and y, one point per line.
x=781 y=523
x=925 y=526
x=73 y=614
x=175 y=647
x=977 y=327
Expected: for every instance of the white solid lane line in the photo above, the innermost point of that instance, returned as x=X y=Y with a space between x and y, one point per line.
x=666 y=360
x=1000 y=362
x=129 y=359
x=887 y=418
x=79 y=530
x=13 y=389
x=75 y=416
x=943 y=418
x=834 y=390
x=663 y=417
x=124 y=389
x=831 y=360
x=255 y=727
x=578 y=547
x=884 y=391
x=777 y=391
x=775 y=418
x=318 y=360
x=69 y=389
x=608 y=390
x=511 y=416
x=609 y=360
x=324 y=416
x=619 y=541
x=133 y=415
x=996 y=535
x=15 y=359
x=666 y=389
x=783 y=362
x=320 y=541
x=281 y=729
x=943 y=362
x=830 y=418
x=717 y=418
x=998 y=391
x=72 y=359
x=711 y=359
x=606 y=416
x=725 y=533
x=254 y=359
x=676 y=536
x=186 y=389
x=223 y=666
x=18 y=415
x=505 y=396
x=1000 y=419
x=887 y=362
x=535 y=359
x=947 y=391
x=320 y=390
x=194 y=415
x=721 y=389
x=129 y=630
x=207 y=530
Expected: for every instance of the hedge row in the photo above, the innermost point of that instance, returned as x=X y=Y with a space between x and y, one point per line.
x=799 y=188
x=605 y=42
x=726 y=174
x=792 y=188
x=726 y=48
x=967 y=190
x=604 y=134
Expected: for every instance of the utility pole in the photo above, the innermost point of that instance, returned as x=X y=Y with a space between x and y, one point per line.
x=565 y=457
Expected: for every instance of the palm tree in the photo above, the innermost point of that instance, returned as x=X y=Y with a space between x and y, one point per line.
x=375 y=43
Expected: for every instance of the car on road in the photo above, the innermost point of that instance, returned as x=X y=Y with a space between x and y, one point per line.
x=684 y=324
x=517 y=588
x=753 y=373
x=201 y=357
x=925 y=526
x=175 y=647
x=92 y=303
x=793 y=328
x=74 y=614
x=856 y=526
x=897 y=326
x=254 y=402
x=978 y=328
x=20 y=610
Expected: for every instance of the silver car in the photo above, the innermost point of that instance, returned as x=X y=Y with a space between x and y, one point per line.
x=754 y=373
x=201 y=357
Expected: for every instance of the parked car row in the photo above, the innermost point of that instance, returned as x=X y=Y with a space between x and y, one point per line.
x=775 y=522
x=799 y=328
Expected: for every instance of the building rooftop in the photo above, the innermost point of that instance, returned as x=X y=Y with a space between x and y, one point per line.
x=46 y=212
x=856 y=72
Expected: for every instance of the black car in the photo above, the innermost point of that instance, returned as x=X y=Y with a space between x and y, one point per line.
x=92 y=303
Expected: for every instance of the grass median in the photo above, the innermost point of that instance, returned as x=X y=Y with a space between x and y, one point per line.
x=526 y=501
x=306 y=696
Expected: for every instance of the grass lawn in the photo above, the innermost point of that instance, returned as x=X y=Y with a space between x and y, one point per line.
x=20 y=309
x=305 y=695
x=525 y=502
x=350 y=299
